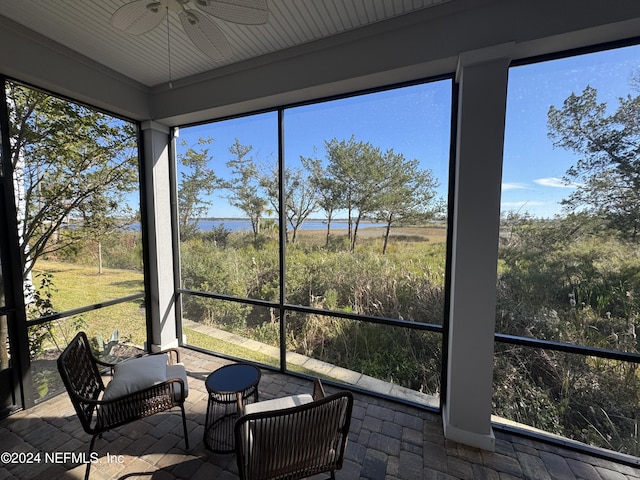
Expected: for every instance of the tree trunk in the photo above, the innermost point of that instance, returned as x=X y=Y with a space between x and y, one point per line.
x=328 y=231
x=386 y=237
x=355 y=233
x=99 y=258
x=255 y=226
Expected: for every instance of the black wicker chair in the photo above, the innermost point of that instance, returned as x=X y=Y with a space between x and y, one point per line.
x=293 y=437
x=80 y=372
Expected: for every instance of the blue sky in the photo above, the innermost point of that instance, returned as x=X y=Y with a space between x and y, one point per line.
x=533 y=168
x=415 y=121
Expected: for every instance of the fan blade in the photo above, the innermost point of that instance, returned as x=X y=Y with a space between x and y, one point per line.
x=138 y=17
x=247 y=12
x=205 y=35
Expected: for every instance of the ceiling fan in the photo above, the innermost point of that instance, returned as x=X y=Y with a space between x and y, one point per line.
x=141 y=16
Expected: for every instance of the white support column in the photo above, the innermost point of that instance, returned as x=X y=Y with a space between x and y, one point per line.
x=482 y=77
x=161 y=296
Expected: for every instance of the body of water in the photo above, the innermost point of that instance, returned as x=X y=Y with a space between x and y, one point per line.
x=242 y=225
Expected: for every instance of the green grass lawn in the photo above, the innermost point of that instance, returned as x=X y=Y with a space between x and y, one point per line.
x=216 y=345
x=77 y=286
x=213 y=344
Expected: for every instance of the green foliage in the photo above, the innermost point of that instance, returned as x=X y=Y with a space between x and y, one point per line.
x=393 y=286
x=568 y=280
x=57 y=332
x=197 y=181
x=245 y=189
x=42 y=297
x=123 y=250
x=105 y=348
x=40 y=306
x=120 y=249
x=219 y=236
x=267 y=333
x=209 y=269
x=606 y=175
x=72 y=165
x=520 y=394
x=300 y=196
x=368 y=182
x=407 y=284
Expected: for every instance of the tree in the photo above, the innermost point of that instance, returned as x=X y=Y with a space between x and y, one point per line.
x=607 y=174
x=73 y=168
x=408 y=194
x=245 y=187
x=300 y=197
x=376 y=184
x=269 y=182
x=329 y=192
x=197 y=181
x=357 y=167
x=343 y=166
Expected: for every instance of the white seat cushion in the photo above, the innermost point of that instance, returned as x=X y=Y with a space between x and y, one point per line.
x=278 y=403
x=136 y=374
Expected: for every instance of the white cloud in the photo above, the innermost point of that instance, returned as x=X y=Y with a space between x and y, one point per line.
x=554 y=182
x=513 y=186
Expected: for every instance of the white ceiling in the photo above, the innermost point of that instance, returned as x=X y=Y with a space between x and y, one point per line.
x=83 y=26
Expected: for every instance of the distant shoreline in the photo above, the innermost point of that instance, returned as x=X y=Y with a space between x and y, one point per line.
x=311 y=220
x=234 y=224
x=244 y=224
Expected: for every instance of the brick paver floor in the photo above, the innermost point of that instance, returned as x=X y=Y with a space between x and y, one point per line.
x=387 y=441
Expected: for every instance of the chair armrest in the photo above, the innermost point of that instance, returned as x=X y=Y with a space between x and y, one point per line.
x=79 y=399
x=102 y=364
x=173 y=354
x=318 y=390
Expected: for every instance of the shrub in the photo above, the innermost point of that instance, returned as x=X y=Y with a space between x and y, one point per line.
x=563 y=281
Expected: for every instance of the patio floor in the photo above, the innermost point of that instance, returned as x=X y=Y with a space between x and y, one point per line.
x=387 y=441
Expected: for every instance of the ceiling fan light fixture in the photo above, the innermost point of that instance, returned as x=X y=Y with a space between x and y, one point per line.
x=191 y=18
x=140 y=16
x=154 y=7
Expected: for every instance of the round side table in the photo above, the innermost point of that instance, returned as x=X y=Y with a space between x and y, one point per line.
x=222 y=408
